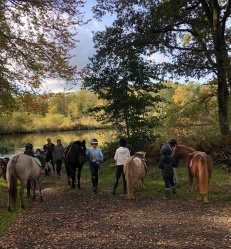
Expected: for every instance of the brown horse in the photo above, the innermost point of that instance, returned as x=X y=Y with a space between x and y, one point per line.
x=200 y=166
x=24 y=168
x=135 y=169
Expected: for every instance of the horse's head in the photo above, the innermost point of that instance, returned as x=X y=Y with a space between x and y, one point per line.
x=41 y=155
x=181 y=151
x=81 y=151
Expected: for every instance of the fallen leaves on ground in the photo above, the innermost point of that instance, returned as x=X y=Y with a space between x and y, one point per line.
x=82 y=219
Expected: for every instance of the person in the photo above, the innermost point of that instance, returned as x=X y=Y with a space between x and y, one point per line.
x=130 y=148
x=121 y=155
x=95 y=157
x=30 y=152
x=172 y=142
x=58 y=156
x=166 y=164
x=49 y=149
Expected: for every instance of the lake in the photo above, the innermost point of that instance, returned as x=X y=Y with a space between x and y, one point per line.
x=39 y=139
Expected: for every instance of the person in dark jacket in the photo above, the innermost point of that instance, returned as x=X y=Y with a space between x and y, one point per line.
x=49 y=149
x=172 y=142
x=58 y=156
x=166 y=164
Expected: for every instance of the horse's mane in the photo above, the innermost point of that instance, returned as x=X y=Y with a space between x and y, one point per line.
x=179 y=146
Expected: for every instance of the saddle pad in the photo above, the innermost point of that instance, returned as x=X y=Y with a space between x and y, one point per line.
x=37 y=161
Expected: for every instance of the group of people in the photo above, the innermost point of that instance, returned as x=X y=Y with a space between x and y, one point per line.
x=167 y=163
x=54 y=155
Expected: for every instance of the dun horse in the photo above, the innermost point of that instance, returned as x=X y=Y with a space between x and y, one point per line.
x=23 y=167
x=74 y=158
x=135 y=169
x=199 y=165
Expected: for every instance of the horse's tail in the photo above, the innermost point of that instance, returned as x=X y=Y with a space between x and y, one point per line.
x=12 y=180
x=129 y=175
x=203 y=176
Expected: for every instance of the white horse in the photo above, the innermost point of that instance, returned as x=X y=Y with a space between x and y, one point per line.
x=135 y=168
x=24 y=168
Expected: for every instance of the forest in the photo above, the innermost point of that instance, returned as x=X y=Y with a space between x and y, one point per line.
x=185 y=110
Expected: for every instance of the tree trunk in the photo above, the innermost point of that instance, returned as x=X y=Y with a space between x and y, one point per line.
x=223 y=99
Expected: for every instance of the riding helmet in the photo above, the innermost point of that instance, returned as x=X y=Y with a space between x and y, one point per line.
x=172 y=142
x=94 y=141
x=129 y=146
x=166 y=149
x=29 y=146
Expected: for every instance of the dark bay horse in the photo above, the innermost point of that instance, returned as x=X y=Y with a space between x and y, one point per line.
x=135 y=168
x=74 y=158
x=200 y=166
x=24 y=168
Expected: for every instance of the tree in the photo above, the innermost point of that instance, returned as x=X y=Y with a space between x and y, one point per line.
x=194 y=35
x=126 y=83
x=36 y=39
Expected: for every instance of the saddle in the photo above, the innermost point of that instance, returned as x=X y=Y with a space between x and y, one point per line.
x=190 y=156
x=145 y=162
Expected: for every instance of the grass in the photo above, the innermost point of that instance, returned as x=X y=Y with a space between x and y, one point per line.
x=154 y=188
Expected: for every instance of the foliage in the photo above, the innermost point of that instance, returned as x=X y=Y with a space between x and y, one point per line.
x=130 y=86
x=36 y=42
x=193 y=36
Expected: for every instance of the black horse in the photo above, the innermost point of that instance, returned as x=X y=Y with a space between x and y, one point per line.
x=74 y=158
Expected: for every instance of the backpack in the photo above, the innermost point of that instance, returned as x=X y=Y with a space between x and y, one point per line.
x=167 y=171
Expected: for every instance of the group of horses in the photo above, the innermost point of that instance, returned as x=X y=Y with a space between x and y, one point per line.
x=24 y=168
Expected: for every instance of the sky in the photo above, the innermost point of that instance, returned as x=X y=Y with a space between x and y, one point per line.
x=85 y=48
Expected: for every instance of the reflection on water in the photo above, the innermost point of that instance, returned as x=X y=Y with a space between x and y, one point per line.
x=39 y=139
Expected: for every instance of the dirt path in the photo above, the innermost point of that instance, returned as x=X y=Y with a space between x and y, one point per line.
x=82 y=219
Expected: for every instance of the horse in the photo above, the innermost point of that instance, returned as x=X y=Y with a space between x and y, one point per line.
x=25 y=168
x=200 y=166
x=74 y=158
x=135 y=168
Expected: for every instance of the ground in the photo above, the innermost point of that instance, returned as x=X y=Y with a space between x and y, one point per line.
x=82 y=219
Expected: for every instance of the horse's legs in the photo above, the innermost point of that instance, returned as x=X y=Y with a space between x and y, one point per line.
x=34 y=187
x=142 y=183
x=38 y=182
x=73 y=172
x=79 y=175
x=23 y=185
x=190 y=176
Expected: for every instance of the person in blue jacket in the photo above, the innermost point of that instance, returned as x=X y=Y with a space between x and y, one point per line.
x=95 y=157
x=166 y=164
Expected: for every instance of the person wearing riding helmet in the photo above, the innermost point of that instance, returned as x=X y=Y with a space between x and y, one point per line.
x=121 y=155
x=172 y=142
x=166 y=164
x=30 y=152
x=95 y=157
